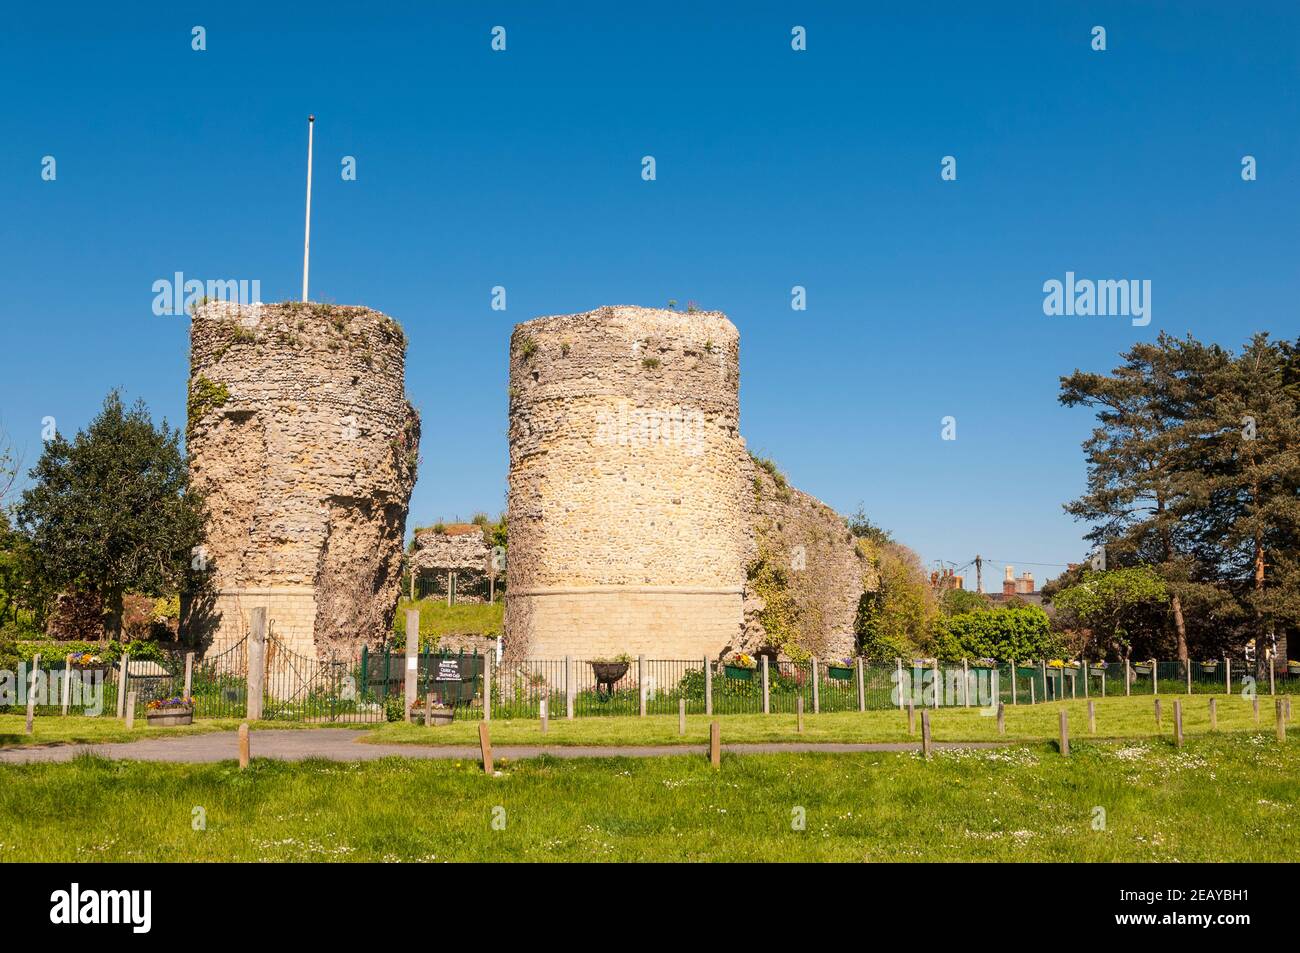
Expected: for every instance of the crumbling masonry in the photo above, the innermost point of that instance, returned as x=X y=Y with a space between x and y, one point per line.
x=304 y=447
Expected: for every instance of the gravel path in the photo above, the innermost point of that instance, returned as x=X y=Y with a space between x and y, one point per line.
x=342 y=744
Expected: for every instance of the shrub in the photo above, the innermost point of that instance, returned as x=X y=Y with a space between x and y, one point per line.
x=1002 y=634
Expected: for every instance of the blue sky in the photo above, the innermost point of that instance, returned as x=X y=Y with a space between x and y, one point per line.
x=775 y=168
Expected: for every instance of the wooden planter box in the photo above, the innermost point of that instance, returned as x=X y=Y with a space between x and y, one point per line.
x=169 y=717
x=1142 y=669
x=441 y=716
x=840 y=673
x=739 y=673
x=1210 y=669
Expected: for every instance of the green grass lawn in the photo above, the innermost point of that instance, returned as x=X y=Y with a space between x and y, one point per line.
x=1116 y=718
x=1221 y=798
x=438 y=619
x=56 y=730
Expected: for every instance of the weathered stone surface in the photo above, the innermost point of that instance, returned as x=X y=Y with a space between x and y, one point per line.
x=305 y=447
x=635 y=512
x=626 y=515
x=819 y=560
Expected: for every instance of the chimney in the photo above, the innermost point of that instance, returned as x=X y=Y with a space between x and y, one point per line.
x=1009 y=582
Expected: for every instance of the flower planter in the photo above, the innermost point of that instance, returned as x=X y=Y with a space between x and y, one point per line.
x=739 y=673
x=1142 y=669
x=169 y=717
x=1293 y=668
x=1210 y=669
x=441 y=716
x=840 y=673
x=1096 y=671
x=607 y=675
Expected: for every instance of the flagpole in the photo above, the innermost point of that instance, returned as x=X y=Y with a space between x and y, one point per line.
x=306 y=239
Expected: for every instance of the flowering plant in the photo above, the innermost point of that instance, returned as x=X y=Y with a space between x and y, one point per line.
x=986 y=662
x=1056 y=663
x=84 y=658
x=742 y=660
x=176 y=701
x=1100 y=663
x=436 y=706
x=842 y=662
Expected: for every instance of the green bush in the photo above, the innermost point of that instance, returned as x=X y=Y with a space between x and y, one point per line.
x=1002 y=634
x=395 y=707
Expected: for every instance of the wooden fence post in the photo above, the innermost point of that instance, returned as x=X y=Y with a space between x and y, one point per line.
x=1031 y=690
x=65 y=689
x=1254 y=704
x=938 y=683
x=543 y=704
x=130 y=709
x=899 y=663
x=1281 y=721
x=925 y=733
x=412 y=659
x=1214 y=715
x=1155 y=677
x=1128 y=678
x=681 y=716
x=245 y=752
x=1227 y=677
x=487 y=685
x=1013 y=682
x=1042 y=664
x=189 y=675
x=798 y=714
x=1178 y=723
x=1065 y=732
x=123 y=668
x=1272 y=688
x=862 y=687
x=911 y=718
x=708 y=686
x=31 y=693
x=817 y=694
x=1158 y=726
x=569 y=687
x=485 y=746
x=965 y=682
x=1083 y=666
x=428 y=709
x=1092 y=717
x=256 y=664
x=1002 y=719
x=767 y=706
x=1188 y=665
x=715 y=744
x=640 y=682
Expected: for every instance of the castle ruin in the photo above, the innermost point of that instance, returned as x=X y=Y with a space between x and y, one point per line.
x=638 y=522
x=304 y=446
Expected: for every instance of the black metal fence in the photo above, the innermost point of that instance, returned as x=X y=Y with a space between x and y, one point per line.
x=371 y=688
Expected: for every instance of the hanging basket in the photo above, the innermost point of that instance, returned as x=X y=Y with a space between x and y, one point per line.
x=840 y=673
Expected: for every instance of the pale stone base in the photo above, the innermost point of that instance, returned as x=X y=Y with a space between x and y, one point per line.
x=659 y=622
x=290 y=617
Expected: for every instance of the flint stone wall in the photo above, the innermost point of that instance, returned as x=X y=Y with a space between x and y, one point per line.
x=305 y=448
x=627 y=523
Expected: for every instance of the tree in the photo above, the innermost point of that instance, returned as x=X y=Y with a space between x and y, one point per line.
x=898 y=616
x=111 y=510
x=959 y=601
x=1140 y=458
x=1110 y=604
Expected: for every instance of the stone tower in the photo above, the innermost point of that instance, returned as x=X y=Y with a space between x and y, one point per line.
x=304 y=447
x=627 y=503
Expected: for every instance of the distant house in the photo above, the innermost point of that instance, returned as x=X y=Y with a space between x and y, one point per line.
x=1021 y=588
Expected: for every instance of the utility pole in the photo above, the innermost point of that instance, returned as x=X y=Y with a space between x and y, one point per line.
x=979 y=574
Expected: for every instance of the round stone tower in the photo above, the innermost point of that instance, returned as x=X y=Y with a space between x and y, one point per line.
x=304 y=447
x=627 y=522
